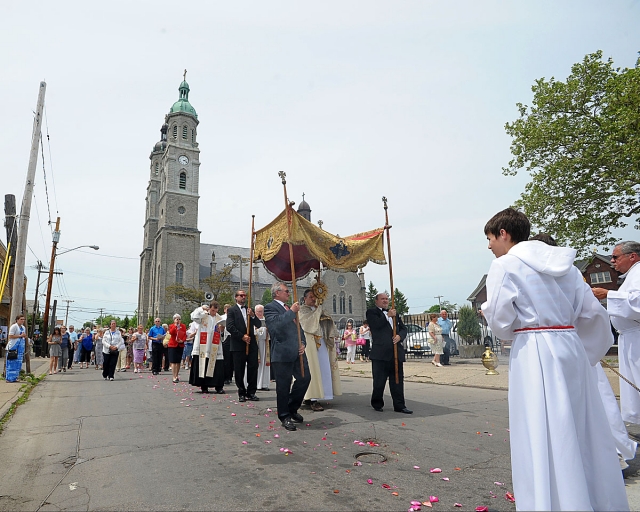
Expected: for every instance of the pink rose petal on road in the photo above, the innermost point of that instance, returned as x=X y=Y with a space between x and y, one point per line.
x=276 y=435
x=386 y=486
x=233 y=414
x=427 y=504
x=433 y=499
x=435 y=470
x=482 y=509
x=244 y=442
x=416 y=467
x=445 y=479
x=509 y=497
x=457 y=504
x=369 y=481
x=416 y=503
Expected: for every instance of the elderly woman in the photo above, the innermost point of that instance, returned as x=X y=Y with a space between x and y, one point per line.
x=435 y=339
x=112 y=344
x=178 y=332
x=54 y=341
x=98 y=348
x=138 y=341
x=207 y=348
x=64 y=346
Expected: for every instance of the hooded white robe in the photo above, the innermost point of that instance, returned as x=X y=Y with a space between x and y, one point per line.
x=204 y=346
x=563 y=455
x=623 y=306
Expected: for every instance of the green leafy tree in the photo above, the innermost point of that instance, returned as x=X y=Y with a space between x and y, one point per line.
x=436 y=308
x=468 y=326
x=184 y=295
x=580 y=141
x=372 y=291
x=106 y=320
x=266 y=297
x=400 y=303
x=219 y=283
x=126 y=323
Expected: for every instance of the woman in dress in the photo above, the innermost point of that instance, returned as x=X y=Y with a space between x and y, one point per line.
x=365 y=333
x=139 y=343
x=349 y=337
x=98 y=349
x=178 y=333
x=436 y=341
x=130 y=349
x=54 y=341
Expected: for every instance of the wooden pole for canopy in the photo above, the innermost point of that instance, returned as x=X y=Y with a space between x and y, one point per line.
x=387 y=227
x=293 y=264
x=253 y=236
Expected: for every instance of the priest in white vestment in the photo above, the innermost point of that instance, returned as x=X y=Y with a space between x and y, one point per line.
x=623 y=306
x=321 y=354
x=207 y=360
x=563 y=455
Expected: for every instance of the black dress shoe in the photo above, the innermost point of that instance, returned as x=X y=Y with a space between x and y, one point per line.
x=220 y=391
x=253 y=398
x=288 y=424
x=379 y=409
x=204 y=390
x=242 y=399
x=296 y=418
x=405 y=411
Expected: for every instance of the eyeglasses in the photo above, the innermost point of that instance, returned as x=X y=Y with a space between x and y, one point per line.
x=284 y=290
x=616 y=257
x=241 y=295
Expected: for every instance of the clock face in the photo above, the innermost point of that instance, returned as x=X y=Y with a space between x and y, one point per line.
x=183 y=160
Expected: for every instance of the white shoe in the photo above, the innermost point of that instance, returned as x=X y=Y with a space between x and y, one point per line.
x=438 y=364
x=110 y=378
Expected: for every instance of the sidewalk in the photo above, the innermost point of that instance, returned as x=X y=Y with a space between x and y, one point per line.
x=461 y=372
x=12 y=391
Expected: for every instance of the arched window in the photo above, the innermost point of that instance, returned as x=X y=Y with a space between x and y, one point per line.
x=350 y=305
x=179 y=273
x=342 y=303
x=175 y=131
x=157 y=168
x=185 y=131
x=334 y=303
x=183 y=180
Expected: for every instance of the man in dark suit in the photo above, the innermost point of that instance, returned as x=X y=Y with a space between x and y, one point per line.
x=285 y=355
x=237 y=317
x=380 y=320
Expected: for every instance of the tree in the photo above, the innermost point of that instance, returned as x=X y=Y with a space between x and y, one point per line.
x=372 y=291
x=220 y=284
x=400 y=302
x=184 y=295
x=126 y=323
x=468 y=326
x=580 y=141
x=445 y=304
x=266 y=297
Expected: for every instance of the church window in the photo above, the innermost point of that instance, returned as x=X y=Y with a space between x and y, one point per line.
x=342 y=303
x=193 y=136
x=185 y=131
x=183 y=180
x=334 y=303
x=350 y=304
x=182 y=210
x=157 y=168
x=175 y=131
x=179 y=273
x=342 y=280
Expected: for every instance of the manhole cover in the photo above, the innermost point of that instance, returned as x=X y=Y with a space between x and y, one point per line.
x=371 y=457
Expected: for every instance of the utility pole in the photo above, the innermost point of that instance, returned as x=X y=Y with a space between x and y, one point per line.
x=101 y=311
x=35 y=301
x=439 y=297
x=45 y=319
x=25 y=210
x=66 y=316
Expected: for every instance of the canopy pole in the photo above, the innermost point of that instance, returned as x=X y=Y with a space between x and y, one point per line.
x=387 y=227
x=287 y=207
x=253 y=237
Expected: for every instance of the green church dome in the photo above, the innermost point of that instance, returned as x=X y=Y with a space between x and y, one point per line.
x=183 y=105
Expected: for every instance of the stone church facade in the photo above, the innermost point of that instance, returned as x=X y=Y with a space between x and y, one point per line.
x=172 y=252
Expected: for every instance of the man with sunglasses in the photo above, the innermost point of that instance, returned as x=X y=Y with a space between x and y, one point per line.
x=285 y=355
x=237 y=318
x=623 y=306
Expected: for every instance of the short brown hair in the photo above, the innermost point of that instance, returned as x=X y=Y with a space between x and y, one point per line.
x=214 y=304
x=515 y=223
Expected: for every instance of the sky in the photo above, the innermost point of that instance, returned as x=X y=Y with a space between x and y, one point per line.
x=354 y=100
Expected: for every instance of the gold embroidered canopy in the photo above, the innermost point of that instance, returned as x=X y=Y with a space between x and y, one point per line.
x=313 y=245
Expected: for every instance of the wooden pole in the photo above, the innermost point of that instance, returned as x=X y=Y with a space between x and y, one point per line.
x=45 y=319
x=25 y=210
x=287 y=208
x=253 y=217
x=387 y=227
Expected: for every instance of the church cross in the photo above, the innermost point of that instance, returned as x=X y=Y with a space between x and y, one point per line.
x=185 y=75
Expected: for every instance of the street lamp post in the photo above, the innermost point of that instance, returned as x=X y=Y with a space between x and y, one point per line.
x=56 y=239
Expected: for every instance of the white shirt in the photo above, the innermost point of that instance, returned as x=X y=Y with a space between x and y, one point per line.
x=14 y=330
x=389 y=318
x=112 y=338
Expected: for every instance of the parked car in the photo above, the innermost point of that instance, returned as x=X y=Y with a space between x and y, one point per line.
x=416 y=342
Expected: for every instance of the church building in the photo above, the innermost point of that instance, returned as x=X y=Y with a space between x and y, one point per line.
x=172 y=252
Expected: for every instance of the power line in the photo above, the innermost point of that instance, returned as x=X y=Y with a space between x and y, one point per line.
x=44 y=173
x=53 y=179
x=105 y=255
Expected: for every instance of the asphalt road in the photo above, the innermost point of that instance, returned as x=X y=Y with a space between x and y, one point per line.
x=141 y=443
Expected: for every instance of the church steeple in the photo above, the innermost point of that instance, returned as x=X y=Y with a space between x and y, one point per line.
x=304 y=209
x=183 y=105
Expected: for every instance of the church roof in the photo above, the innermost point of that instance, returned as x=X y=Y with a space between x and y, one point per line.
x=183 y=105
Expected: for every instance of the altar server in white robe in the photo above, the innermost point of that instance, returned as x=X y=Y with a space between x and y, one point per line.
x=262 y=337
x=623 y=306
x=206 y=348
x=321 y=354
x=563 y=455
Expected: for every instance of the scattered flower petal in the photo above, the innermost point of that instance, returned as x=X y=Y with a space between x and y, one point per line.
x=433 y=499
x=435 y=470
x=404 y=424
x=457 y=504
x=457 y=469
x=482 y=509
x=498 y=483
x=244 y=442
x=415 y=503
x=445 y=479
x=336 y=491
x=416 y=467
x=369 y=481
x=276 y=435
x=386 y=486
x=394 y=494
x=427 y=504
x=508 y=496
x=233 y=414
